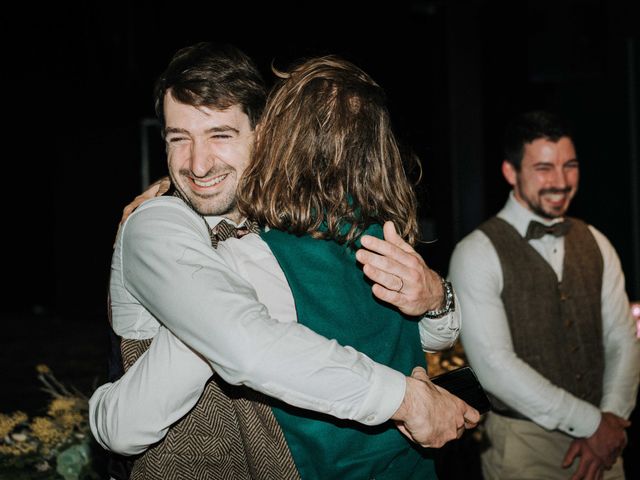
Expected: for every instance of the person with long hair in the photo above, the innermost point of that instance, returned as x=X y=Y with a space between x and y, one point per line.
x=326 y=171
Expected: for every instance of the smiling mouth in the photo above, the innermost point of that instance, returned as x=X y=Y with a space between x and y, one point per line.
x=210 y=182
x=556 y=197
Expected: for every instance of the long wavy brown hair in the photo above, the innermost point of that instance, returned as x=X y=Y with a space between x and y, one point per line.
x=325 y=159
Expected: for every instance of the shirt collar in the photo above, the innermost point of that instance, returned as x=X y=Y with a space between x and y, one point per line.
x=212 y=221
x=519 y=216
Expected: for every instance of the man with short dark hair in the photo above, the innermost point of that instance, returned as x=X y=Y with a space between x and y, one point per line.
x=548 y=327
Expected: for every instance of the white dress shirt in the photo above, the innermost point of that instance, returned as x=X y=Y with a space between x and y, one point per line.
x=234 y=307
x=476 y=273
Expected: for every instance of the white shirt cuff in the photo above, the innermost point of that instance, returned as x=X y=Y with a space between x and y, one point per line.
x=582 y=420
x=385 y=396
x=440 y=333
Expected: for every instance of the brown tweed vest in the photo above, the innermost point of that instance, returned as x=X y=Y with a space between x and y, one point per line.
x=556 y=327
x=229 y=434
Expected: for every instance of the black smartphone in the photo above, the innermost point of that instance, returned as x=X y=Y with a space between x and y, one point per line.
x=463 y=383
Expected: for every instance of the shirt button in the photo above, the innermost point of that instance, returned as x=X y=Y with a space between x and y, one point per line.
x=371 y=418
x=570 y=429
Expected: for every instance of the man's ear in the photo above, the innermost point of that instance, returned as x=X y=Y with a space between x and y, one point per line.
x=509 y=172
x=256 y=130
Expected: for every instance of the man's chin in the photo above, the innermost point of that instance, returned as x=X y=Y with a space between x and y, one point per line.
x=213 y=211
x=548 y=213
x=558 y=211
x=207 y=211
x=552 y=215
x=204 y=205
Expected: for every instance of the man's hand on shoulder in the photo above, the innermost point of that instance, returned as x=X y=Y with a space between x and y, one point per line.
x=401 y=276
x=431 y=416
x=156 y=189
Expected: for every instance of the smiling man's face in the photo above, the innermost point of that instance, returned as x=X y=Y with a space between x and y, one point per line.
x=548 y=177
x=207 y=152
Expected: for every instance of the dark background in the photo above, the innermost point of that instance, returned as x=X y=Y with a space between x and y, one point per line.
x=77 y=96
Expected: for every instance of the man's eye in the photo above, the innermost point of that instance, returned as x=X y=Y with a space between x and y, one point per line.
x=176 y=139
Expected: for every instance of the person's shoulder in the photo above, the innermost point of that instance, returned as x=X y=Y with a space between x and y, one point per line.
x=161 y=203
x=474 y=251
x=249 y=248
x=595 y=231
x=600 y=238
x=604 y=244
x=162 y=215
x=162 y=208
x=248 y=255
x=474 y=242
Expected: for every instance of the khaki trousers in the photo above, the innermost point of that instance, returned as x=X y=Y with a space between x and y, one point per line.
x=522 y=450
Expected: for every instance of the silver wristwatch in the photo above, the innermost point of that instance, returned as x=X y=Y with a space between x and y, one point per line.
x=449 y=302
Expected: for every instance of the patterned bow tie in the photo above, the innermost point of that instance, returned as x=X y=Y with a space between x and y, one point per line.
x=224 y=230
x=539 y=230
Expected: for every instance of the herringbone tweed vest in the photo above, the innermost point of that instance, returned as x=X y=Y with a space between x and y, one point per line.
x=229 y=435
x=556 y=327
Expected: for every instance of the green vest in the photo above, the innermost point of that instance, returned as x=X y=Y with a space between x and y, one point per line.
x=333 y=298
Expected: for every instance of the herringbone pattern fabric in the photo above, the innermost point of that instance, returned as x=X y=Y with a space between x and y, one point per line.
x=225 y=229
x=230 y=434
x=226 y=436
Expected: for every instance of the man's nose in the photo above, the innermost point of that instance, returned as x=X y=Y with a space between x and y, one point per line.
x=201 y=158
x=560 y=178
